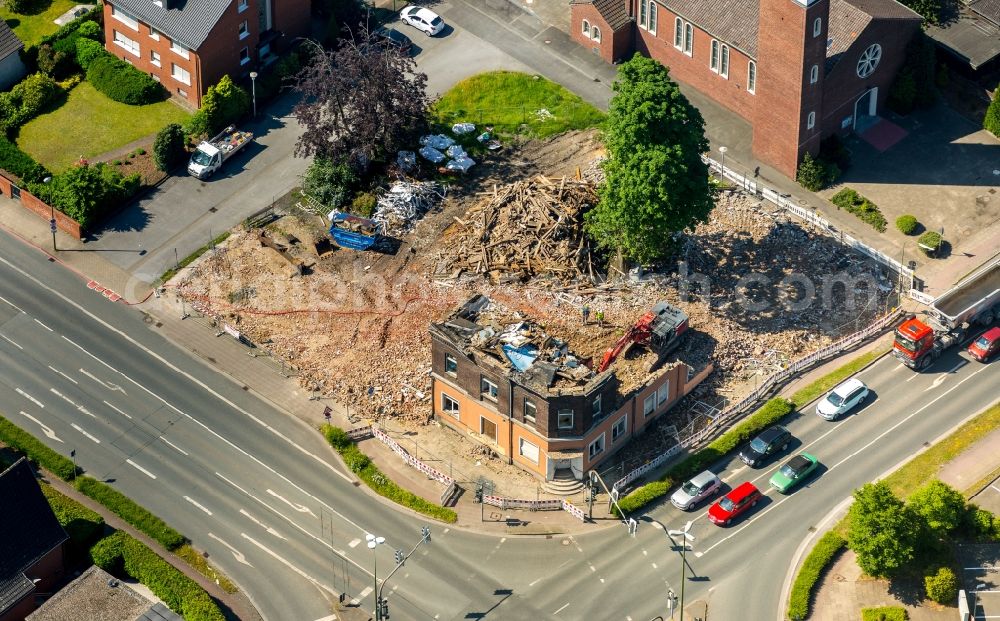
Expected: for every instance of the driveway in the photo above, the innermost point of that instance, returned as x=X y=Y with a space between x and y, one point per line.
x=184 y=213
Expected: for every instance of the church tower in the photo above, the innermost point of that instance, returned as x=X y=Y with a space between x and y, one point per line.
x=791 y=51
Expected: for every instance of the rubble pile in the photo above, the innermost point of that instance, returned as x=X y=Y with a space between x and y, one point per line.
x=406 y=201
x=524 y=229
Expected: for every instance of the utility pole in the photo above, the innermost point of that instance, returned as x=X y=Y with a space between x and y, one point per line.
x=382 y=605
x=685 y=537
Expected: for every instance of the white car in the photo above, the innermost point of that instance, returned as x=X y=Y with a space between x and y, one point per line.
x=694 y=491
x=424 y=20
x=841 y=399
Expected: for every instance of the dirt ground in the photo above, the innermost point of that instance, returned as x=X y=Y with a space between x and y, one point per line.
x=754 y=284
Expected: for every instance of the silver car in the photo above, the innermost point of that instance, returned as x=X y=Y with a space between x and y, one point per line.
x=697 y=489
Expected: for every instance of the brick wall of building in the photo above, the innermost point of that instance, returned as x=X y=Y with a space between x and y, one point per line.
x=695 y=69
x=291 y=17
x=612 y=47
x=220 y=53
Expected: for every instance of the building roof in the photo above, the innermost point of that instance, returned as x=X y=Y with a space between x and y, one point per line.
x=28 y=531
x=186 y=21
x=987 y=9
x=96 y=594
x=971 y=38
x=614 y=12
x=9 y=43
x=847 y=21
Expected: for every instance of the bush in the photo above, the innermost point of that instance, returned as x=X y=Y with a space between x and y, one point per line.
x=24 y=442
x=26 y=100
x=130 y=511
x=884 y=613
x=906 y=224
x=168 y=148
x=55 y=61
x=19 y=6
x=942 y=587
x=90 y=30
x=833 y=151
x=30 y=54
x=849 y=200
x=815 y=563
x=362 y=465
x=223 y=104
x=770 y=413
x=815 y=174
x=120 y=553
x=87 y=50
x=86 y=193
x=16 y=161
x=991 y=122
x=329 y=182
x=981 y=523
x=929 y=242
x=82 y=525
x=364 y=204
x=122 y=82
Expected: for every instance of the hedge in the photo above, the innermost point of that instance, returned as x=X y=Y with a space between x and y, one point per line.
x=849 y=200
x=88 y=50
x=884 y=613
x=82 y=525
x=30 y=54
x=122 y=82
x=130 y=511
x=16 y=161
x=120 y=553
x=906 y=224
x=14 y=436
x=26 y=100
x=812 y=567
x=769 y=414
x=362 y=465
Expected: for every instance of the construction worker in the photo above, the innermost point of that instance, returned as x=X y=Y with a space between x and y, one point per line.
x=586 y=313
x=600 y=318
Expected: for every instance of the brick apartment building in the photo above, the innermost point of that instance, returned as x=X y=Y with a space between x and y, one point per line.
x=188 y=45
x=505 y=382
x=797 y=70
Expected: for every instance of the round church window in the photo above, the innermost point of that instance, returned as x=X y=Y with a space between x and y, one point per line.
x=869 y=60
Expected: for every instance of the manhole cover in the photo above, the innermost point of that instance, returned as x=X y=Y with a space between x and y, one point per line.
x=565 y=542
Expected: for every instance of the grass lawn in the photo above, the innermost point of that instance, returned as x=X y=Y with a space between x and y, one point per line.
x=828 y=381
x=507 y=99
x=31 y=28
x=89 y=124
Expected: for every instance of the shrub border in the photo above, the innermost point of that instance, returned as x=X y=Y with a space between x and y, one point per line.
x=361 y=465
x=822 y=554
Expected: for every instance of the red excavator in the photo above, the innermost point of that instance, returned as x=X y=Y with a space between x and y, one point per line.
x=659 y=329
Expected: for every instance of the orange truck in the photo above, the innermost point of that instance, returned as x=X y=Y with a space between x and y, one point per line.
x=974 y=301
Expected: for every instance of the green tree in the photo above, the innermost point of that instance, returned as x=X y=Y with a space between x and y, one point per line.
x=223 y=103
x=991 y=122
x=85 y=193
x=328 y=181
x=812 y=174
x=942 y=587
x=655 y=182
x=883 y=531
x=942 y=507
x=168 y=147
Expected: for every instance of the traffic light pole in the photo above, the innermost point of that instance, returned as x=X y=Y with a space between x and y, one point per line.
x=382 y=606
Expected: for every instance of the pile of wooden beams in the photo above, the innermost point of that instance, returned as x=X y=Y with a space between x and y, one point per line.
x=522 y=230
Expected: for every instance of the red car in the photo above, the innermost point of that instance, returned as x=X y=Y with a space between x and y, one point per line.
x=986 y=346
x=734 y=503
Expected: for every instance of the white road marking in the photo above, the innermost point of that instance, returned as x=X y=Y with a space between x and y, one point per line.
x=88 y=373
x=915 y=375
x=354 y=543
x=698 y=554
x=289 y=565
x=123 y=413
x=293 y=505
x=365 y=592
x=11 y=303
x=265 y=526
x=140 y=468
x=841 y=462
x=30 y=398
x=45 y=429
x=644 y=553
x=71 y=402
x=236 y=553
x=562 y=608
x=4 y=336
x=197 y=504
x=593 y=569
x=43 y=325
x=63 y=374
x=170 y=444
x=78 y=428
x=654 y=565
x=995 y=487
x=602 y=580
x=944 y=376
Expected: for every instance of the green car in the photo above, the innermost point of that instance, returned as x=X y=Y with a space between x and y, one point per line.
x=793 y=472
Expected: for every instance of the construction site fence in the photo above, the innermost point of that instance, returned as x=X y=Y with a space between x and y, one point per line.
x=536 y=505
x=782 y=200
x=438 y=476
x=737 y=410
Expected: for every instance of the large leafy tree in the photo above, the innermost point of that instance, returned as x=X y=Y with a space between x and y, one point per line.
x=884 y=532
x=941 y=507
x=359 y=103
x=655 y=182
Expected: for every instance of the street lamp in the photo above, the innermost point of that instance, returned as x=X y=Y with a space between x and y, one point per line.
x=685 y=538
x=723 y=150
x=253 y=89
x=52 y=220
x=374 y=542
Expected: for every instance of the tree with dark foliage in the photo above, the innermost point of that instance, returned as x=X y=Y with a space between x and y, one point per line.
x=360 y=103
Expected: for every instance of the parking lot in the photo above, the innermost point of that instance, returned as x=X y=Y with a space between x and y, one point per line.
x=981 y=578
